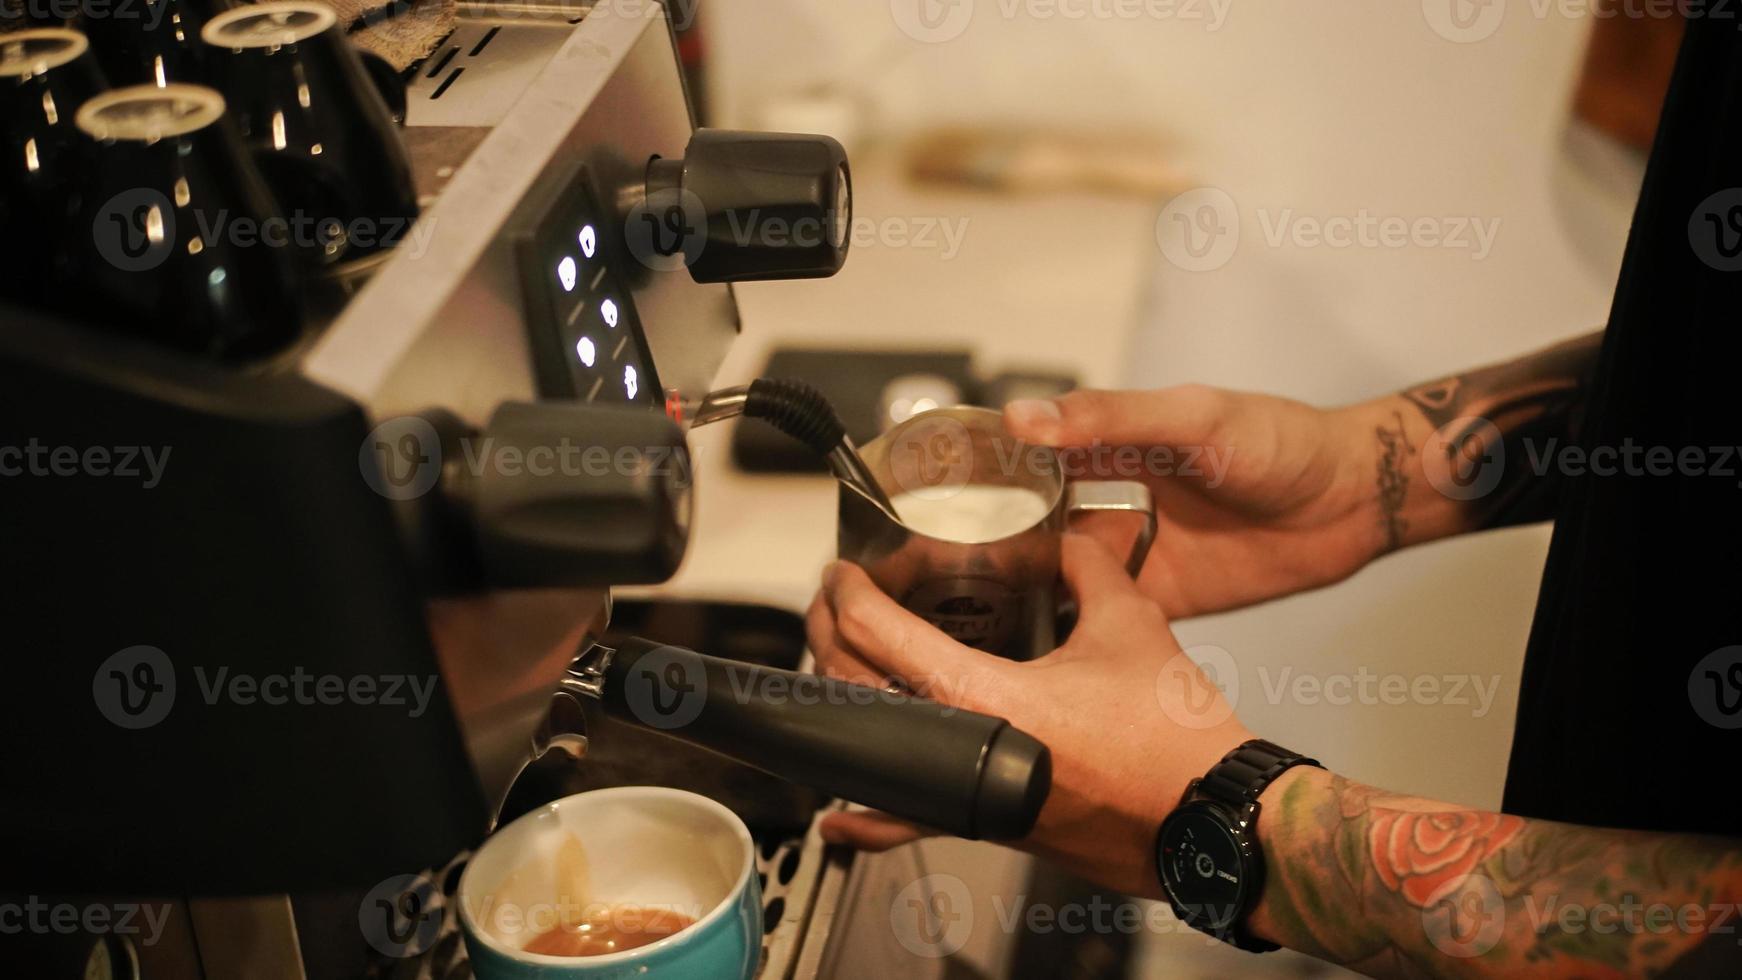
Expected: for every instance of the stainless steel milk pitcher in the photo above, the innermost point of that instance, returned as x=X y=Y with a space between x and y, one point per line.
x=995 y=593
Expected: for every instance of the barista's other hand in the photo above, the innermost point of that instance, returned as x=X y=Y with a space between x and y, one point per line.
x=1258 y=497
x=1130 y=719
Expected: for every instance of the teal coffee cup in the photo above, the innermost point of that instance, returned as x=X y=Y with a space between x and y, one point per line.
x=647 y=881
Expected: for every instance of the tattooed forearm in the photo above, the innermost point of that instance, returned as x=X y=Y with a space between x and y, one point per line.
x=1403 y=887
x=1526 y=403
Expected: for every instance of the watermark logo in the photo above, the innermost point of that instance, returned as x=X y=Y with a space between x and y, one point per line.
x=667 y=230
x=1467 y=921
x=402 y=916
x=932 y=457
x=1715 y=687
x=135 y=230
x=1199 y=230
x=1200 y=689
x=135 y=688
x=1465 y=458
x=1715 y=230
x=402 y=458
x=932 y=21
x=1464 y=21
x=933 y=916
x=937 y=21
x=666 y=688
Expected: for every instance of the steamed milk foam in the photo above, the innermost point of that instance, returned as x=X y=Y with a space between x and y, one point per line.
x=974 y=514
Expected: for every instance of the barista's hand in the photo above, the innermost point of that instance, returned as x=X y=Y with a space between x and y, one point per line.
x=1129 y=718
x=1258 y=497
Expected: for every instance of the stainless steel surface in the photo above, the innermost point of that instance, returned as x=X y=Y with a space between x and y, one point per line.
x=721 y=405
x=1000 y=595
x=851 y=470
x=526 y=98
x=809 y=898
x=477 y=76
x=828 y=891
x=251 y=936
x=586 y=676
x=441 y=324
x=1118 y=496
x=843 y=461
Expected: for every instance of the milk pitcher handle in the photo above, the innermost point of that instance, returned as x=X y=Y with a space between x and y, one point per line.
x=1123 y=495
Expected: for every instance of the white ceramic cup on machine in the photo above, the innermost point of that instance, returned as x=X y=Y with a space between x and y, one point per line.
x=667 y=876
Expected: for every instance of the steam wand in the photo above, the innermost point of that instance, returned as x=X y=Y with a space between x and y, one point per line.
x=802 y=412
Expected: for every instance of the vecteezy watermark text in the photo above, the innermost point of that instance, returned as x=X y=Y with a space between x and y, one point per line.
x=669 y=230
x=937 y=456
x=1469 y=21
x=939 y=21
x=1466 y=458
x=136 y=688
x=1203 y=690
x=668 y=688
x=403 y=458
x=1470 y=918
x=1201 y=229
x=937 y=915
x=135 y=231
x=34 y=458
x=38 y=916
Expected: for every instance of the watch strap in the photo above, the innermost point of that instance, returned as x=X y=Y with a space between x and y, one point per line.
x=1245 y=773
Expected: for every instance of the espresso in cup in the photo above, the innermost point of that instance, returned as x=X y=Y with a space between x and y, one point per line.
x=610 y=929
x=611 y=883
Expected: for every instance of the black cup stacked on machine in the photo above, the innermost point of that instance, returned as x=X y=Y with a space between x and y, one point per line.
x=165 y=240
x=320 y=130
x=149 y=42
x=46 y=74
x=246 y=166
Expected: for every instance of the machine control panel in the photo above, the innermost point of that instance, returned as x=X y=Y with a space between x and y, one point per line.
x=588 y=342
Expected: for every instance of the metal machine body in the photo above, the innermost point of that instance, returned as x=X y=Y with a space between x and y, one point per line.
x=444 y=324
x=519 y=110
x=337 y=638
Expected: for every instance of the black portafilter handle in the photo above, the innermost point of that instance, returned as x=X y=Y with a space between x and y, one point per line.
x=958 y=771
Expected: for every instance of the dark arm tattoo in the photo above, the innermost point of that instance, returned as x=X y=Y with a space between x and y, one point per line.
x=1395 y=453
x=1403 y=887
x=1529 y=405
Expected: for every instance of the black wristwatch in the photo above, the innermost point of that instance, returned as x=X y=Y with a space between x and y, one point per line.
x=1207 y=851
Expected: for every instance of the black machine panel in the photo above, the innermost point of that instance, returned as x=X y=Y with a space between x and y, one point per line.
x=208 y=607
x=587 y=340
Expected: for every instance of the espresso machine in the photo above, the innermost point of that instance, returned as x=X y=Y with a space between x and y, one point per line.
x=277 y=691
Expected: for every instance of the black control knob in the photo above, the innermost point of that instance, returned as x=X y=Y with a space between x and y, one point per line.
x=757 y=205
x=550 y=494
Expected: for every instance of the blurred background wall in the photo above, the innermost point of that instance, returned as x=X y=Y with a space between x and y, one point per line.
x=1281 y=113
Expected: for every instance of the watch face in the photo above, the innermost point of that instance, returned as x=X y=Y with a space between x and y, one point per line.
x=1201 y=866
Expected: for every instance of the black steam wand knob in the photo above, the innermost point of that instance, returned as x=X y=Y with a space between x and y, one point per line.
x=758 y=205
